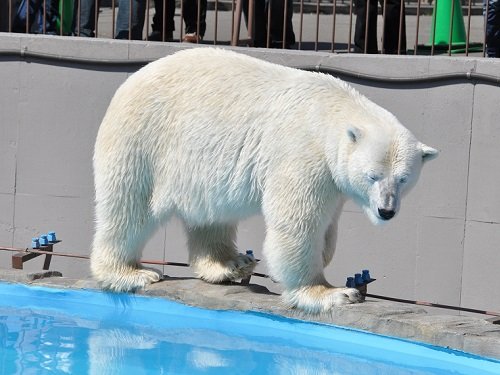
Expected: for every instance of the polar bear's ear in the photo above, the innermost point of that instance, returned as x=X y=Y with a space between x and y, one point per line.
x=353 y=133
x=429 y=153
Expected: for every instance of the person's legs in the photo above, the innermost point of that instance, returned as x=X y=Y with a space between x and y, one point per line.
x=190 y=14
x=277 y=17
x=392 y=37
x=123 y=30
x=85 y=11
x=259 y=22
x=51 y=16
x=163 y=21
x=25 y=15
x=493 y=29
x=4 y=15
x=360 y=28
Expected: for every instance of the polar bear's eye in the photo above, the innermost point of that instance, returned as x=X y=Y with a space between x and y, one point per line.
x=403 y=180
x=373 y=177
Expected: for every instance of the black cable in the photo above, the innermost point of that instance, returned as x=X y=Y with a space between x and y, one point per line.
x=461 y=76
x=432 y=304
x=25 y=54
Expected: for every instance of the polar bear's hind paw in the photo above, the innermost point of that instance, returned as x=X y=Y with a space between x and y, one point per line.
x=131 y=281
x=234 y=269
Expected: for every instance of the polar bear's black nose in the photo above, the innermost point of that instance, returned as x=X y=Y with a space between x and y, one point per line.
x=386 y=214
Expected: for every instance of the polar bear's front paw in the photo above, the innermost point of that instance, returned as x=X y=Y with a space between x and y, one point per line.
x=129 y=280
x=345 y=296
x=320 y=298
x=234 y=269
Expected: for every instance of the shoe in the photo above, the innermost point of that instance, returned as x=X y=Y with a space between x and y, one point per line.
x=279 y=44
x=156 y=36
x=192 y=38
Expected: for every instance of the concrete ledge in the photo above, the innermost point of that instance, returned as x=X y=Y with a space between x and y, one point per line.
x=127 y=56
x=468 y=334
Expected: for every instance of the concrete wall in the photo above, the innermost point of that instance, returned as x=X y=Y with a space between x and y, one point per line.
x=442 y=247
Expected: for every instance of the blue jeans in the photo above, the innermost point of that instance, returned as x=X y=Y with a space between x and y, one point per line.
x=87 y=15
x=122 y=22
x=493 y=28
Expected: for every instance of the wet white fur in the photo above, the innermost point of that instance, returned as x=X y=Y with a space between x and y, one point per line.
x=214 y=137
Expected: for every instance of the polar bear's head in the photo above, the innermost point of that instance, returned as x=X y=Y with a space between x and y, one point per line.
x=377 y=165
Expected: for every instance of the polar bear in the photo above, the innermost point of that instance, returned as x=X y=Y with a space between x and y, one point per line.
x=213 y=136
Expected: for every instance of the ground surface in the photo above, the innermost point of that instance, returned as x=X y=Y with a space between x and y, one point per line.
x=317 y=32
x=468 y=334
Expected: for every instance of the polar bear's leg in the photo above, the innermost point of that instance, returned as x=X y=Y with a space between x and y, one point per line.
x=330 y=242
x=115 y=259
x=300 y=241
x=124 y=223
x=331 y=234
x=297 y=261
x=213 y=254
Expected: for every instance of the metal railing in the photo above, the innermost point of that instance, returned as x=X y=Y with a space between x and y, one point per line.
x=341 y=26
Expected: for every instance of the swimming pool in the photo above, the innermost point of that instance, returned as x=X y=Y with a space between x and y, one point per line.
x=59 y=331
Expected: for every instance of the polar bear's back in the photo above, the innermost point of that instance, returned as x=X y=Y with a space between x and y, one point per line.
x=222 y=87
x=211 y=81
x=202 y=122
x=206 y=98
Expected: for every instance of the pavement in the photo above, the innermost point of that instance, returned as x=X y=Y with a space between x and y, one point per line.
x=468 y=334
x=315 y=31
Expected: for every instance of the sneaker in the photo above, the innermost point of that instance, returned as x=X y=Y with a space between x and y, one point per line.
x=192 y=38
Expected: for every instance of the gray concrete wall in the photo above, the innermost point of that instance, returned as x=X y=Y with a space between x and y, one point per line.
x=442 y=247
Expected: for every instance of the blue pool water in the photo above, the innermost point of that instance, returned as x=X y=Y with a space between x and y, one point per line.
x=54 y=331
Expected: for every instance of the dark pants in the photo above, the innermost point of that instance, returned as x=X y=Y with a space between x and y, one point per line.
x=164 y=28
x=190 y=14
x=276 y=28
x=391 y=26
x=4 y=15
x=26 y=16
x=493 y=29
